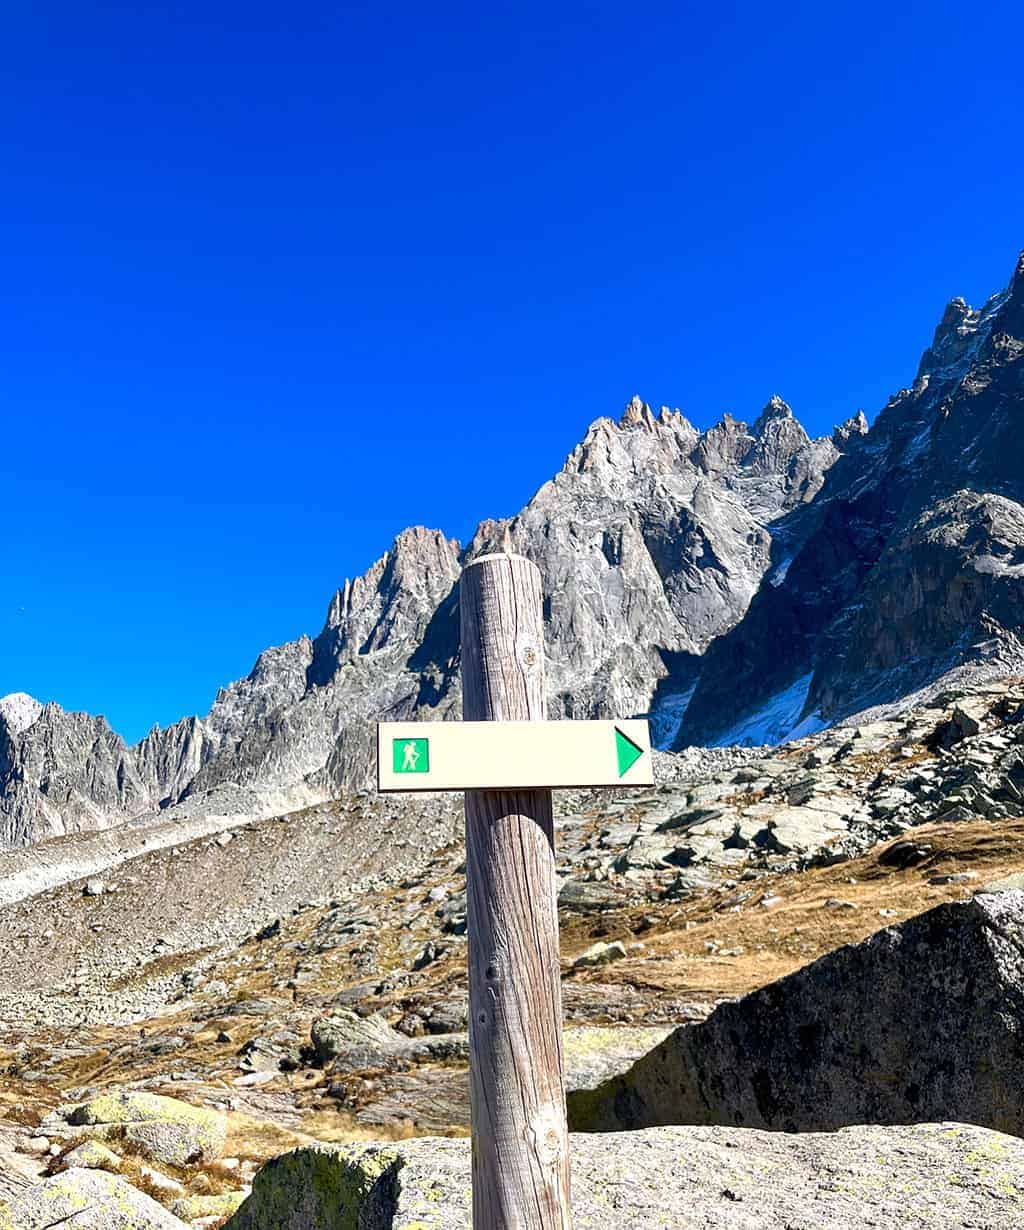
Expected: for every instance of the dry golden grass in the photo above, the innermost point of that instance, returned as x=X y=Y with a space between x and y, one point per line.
x=339 y=1127
x=800 y=927
x=251 y=1139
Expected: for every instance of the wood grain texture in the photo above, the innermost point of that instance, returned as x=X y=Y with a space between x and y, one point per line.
x=520 y=1143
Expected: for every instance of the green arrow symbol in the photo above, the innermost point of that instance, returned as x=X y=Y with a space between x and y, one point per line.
x=627 y=751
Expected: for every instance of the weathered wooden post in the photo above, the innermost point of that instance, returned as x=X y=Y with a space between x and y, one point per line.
x=507 y=759
x=520 y=1142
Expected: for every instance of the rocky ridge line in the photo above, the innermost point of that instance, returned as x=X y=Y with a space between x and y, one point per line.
x=652 y=539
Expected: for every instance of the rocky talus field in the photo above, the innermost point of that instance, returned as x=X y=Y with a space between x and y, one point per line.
x=793 y=986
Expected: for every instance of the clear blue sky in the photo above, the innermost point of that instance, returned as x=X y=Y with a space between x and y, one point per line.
x=279 y=280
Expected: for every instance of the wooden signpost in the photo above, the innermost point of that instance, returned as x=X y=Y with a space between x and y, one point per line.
x=508 y=759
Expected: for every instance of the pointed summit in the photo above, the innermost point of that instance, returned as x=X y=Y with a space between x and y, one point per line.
x=637 y=414
x=19 y=711
x=852 y=429
x=775 y=410
x=951 y=339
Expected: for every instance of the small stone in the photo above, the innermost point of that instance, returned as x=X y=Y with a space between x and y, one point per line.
x=270 y=931
x=429 y=954
x=163 y=1183
x=253 y=1078
x=94 y=888
x=412 y=1025
x=196 y=1209
x=904 y=854
x=90 y=1155
x=600 y=954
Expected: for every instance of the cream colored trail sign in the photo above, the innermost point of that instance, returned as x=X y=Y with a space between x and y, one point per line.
x=512 y=755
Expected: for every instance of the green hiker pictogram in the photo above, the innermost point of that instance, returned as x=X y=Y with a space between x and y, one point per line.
x=627 y=751
x=411 y=755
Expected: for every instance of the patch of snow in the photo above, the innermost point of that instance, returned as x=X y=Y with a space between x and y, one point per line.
x=777 y=720
x=778 y=573
x=666 y=716
x=992 y=305
x=810 y=725
x=19 y=711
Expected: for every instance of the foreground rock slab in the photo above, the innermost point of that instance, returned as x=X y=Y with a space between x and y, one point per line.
x=939 y=1176
x=85 y=1200
x=921 y=1022
x=160 y=1128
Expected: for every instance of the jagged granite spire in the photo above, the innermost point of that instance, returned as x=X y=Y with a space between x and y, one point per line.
x=848 y=432
x=652 y=540
x=774 y=411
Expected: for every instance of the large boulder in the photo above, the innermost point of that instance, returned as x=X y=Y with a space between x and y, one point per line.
x=435 y=1099
x=924 y=1177
x=160 y=1128
x=343 y=1033
x=921 y=1022
x=85 y=1200
x=18 y=1167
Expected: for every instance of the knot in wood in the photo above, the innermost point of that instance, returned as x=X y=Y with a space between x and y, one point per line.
x=530 y=656
x=546 y=1135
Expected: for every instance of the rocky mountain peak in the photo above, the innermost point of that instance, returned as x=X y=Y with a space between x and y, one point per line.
x=392 y=602
x=1014 y=314
x=19 y=711
x=855 y=427
x=952 y=334
x=638 y=414
x=775 y=410
x=617 y=451
x=963 y=331
x=723 y=446
x=779 y=437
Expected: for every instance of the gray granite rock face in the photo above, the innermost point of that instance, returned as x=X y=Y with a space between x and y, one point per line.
x=921 y=1022
x=934 y=1177
x=652 y=539
x=85 y=1200
x=910 y=561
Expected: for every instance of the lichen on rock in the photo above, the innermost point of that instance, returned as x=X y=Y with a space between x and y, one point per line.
x=85 y=1200
x=164 y=1129
x=688 y=1178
